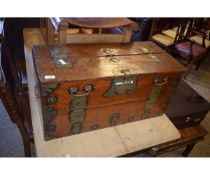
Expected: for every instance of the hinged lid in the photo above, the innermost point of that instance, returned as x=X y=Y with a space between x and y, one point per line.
x=92 y=61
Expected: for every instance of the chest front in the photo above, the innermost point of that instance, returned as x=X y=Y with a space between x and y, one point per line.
x=88 y=87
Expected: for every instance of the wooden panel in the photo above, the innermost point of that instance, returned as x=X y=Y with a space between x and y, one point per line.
x=107 y=142
x=94 y=38
x=117 y=48
x=115 y=141
x=100 y=116
x=96 y=97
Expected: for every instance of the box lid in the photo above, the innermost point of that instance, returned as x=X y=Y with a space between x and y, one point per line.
x=92 y=61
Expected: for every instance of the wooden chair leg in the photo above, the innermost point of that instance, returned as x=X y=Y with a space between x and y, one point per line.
x=26 y=139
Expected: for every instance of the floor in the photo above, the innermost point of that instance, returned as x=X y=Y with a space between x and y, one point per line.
x=10 y=139
x=11 y=144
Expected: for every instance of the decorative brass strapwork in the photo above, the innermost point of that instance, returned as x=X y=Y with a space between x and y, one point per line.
x=48 y=88
x=60 y=57
x=49 y=115
x=76 y=128
x=154 y=94
x=110 y=55
x=78 y=107
x=113 y=120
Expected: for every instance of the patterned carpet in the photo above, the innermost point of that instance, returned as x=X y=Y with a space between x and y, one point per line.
x=11 y=143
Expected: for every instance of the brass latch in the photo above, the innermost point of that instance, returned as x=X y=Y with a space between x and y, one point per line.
x=122 y=84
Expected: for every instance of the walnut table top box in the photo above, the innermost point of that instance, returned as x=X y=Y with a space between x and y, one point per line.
x=84 y=87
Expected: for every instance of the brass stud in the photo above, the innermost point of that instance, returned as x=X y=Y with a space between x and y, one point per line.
x=88 y=88
x=73 y=90
x=52 y=100
x=94 y=127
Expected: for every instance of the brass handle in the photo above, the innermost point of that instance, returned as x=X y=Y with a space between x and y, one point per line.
x=87 y=88
x=81 y=95
x=162 y=83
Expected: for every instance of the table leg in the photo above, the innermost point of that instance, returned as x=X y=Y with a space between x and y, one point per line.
x=188 y=149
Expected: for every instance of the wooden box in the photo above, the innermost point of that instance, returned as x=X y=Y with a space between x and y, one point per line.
x=187 y=108
x=84 y=87
x=87 y=30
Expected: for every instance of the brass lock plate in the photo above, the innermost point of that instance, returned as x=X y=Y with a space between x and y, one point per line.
x=122 y=85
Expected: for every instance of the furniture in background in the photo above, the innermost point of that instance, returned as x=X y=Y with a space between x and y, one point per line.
x=190 y=136
x=87 y=30
x=187 y=52
x=190 y=30
x=13 y=41
x=201 y=32
x=12 y=95
x=143 y=33
x=186 y=108
x=164 y=31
